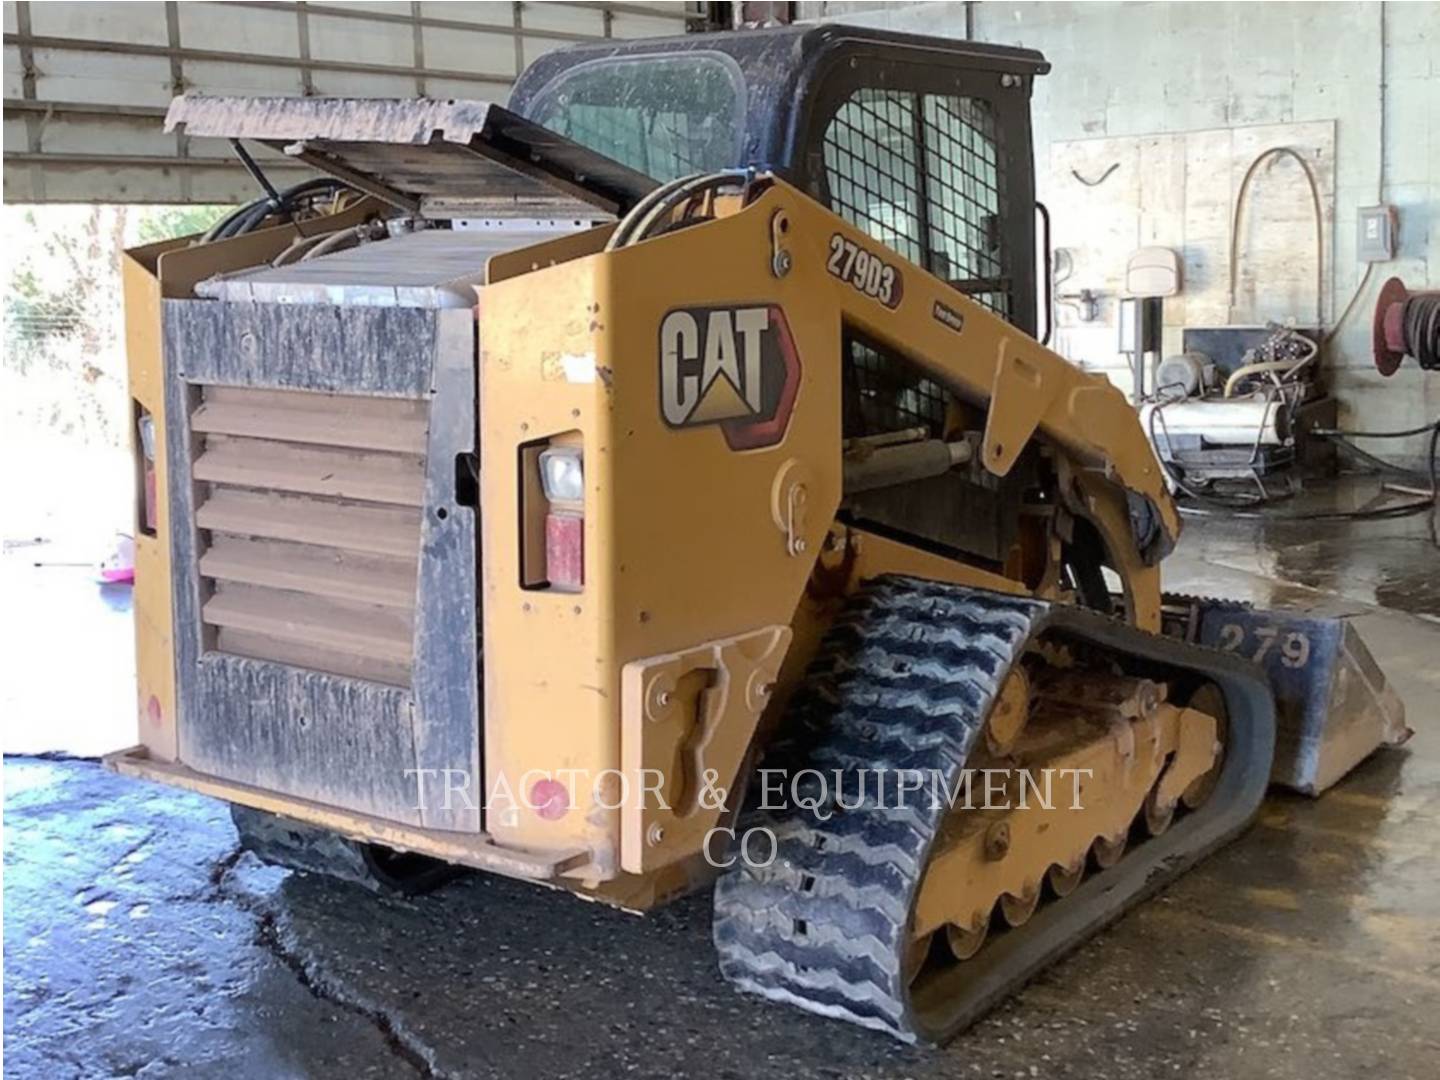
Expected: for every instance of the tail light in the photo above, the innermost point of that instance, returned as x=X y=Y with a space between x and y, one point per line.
x=145 y=428
x=562 y=477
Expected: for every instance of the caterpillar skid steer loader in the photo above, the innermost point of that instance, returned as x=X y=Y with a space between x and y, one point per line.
x=679 y=432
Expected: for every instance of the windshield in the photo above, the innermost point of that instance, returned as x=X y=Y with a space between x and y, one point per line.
x=664 y=116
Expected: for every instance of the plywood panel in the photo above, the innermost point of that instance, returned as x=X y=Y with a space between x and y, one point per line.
x=1109 y=196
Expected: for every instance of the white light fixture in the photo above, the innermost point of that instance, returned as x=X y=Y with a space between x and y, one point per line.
x=562 y=474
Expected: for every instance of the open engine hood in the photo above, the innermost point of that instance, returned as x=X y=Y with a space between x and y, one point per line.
x=439 y=159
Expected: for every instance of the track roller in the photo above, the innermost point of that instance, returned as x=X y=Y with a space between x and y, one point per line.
x=1018 y=909
x=1062 y=880
x=964 y=944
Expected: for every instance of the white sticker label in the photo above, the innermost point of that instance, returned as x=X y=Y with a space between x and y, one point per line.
x=578 y=368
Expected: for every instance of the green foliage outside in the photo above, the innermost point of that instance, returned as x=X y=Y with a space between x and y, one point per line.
x=158 y=223
x=64 y=365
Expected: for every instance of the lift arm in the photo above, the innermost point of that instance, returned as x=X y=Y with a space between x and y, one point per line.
x=979 y=357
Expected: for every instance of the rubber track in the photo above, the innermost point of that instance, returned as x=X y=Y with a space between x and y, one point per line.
x=904 y=680
x=293 y=845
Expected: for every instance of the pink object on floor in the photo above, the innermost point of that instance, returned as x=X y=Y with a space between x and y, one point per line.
x=118 y=568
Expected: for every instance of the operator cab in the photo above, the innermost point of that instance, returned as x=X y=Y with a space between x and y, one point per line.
x=923 y=143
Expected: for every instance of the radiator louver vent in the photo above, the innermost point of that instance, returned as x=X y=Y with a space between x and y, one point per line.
x=309 y=511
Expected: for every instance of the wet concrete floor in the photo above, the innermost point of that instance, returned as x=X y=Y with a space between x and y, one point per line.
x=138 y=942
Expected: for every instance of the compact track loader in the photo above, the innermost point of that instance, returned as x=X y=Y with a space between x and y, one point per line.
x=546 y=479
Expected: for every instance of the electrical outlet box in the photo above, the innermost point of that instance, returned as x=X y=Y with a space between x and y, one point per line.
x=1375 y=240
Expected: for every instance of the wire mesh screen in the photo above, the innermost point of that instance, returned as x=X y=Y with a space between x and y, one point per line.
x=885 y=392
x=962 y=179
x=872 y=165
x=921 y=173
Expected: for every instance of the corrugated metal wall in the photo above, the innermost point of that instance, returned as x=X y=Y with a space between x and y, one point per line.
x=86 y=84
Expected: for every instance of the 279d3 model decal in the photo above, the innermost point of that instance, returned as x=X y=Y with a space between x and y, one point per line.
x=866 y=271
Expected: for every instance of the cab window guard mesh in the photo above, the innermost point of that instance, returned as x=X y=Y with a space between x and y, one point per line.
x=921 y=173
x=883 y=392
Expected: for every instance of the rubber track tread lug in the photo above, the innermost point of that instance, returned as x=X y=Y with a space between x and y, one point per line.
x=903 y=680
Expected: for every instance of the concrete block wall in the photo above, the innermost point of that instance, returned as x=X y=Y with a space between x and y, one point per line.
x=1144 y=68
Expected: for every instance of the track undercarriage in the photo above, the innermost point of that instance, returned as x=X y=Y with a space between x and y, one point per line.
x=282 y=842
x=1079 y=764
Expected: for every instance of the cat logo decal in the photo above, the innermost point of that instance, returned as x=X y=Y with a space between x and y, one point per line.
x=732 y=366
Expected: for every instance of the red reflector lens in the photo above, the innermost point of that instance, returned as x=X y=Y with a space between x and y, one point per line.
x=565 y=550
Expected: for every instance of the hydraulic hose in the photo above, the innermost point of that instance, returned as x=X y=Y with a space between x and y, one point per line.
x=1289 y=367
x=1280 y=151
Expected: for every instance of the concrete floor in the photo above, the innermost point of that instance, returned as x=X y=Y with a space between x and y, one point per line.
x=138 y=942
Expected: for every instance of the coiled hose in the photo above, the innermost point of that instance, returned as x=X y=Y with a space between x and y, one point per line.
x=247 y=218
x=656 y=206
x=1421 y=320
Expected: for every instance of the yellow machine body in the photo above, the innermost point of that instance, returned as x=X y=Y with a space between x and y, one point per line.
x=697 y=554
x=580 y=529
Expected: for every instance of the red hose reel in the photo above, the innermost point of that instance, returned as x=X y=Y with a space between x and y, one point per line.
x=1405 y=324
